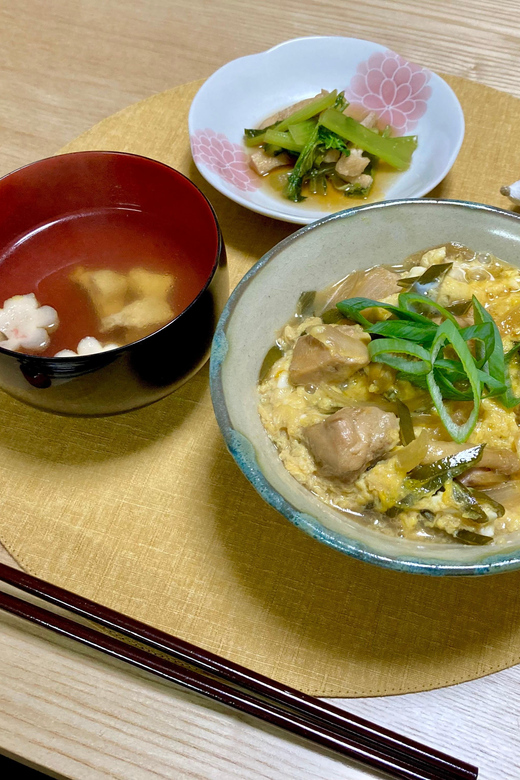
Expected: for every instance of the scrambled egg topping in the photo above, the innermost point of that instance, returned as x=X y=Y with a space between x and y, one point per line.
x=287 y=410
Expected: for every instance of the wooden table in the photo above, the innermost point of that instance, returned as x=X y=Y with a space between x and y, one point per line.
x=66 y=64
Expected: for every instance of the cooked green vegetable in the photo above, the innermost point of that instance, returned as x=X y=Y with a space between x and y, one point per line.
x=331 y=141
x=281 y=139
x=470 y=508
x=318 y=105
x=304 y=163
x=450 y=466
x=483 y=498
x=313 y=130
x=459 y=308
x=274 y=354
x=255 y=137
x=427 y=280
x=405 y=422
x=301 y=132
x=470 y=537
x=331 y=316
x=397 y=152
x=424 y=481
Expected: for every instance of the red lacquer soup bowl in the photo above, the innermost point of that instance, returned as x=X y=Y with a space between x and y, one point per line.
x=121 y=212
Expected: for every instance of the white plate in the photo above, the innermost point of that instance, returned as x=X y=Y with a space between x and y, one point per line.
x=244 y=92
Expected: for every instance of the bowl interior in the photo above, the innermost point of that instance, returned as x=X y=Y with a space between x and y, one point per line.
x=101 y=209
x=246 y=91
x=265 y=299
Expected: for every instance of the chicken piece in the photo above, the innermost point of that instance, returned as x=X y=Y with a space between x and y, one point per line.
x=349 y=440
x=285 y=112
x=139 y=315
x=352 y=165
x=147 y=284
x=364 y=180
x=493 y=459
x=376 y=283
x=328 y=353
x=106 y=289
x=263 y=163
x=370 y=120
x=332 y=156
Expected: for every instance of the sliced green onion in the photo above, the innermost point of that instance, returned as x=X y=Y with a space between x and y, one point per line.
x=408 y=299
x=352 y=308
x=386 y=351
x=497 y=366
x=403 y=329
x=419 y=380
x=449 y=390
x=448 y=333
x=413 y=344
x=483 y=333
x=453 y=372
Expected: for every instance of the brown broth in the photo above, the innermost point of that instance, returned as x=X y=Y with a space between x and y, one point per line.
x=118 y=240
x=334 y=200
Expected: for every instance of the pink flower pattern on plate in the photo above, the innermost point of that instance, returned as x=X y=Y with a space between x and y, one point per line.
x=392 y=87
x=226 y=159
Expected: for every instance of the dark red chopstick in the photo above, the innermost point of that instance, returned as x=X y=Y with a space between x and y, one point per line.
x=278 y=704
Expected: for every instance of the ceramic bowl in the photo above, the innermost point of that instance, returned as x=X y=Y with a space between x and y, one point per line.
x=310 y=259
x=45 y=209
x=244 y=92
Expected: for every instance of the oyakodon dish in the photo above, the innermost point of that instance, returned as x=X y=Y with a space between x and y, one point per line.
x=318 y=143
x=392 y=394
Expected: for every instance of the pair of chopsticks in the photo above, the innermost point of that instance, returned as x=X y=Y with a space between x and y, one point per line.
x=230 y=684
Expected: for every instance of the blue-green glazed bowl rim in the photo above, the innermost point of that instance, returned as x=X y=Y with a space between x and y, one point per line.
x=244 y=454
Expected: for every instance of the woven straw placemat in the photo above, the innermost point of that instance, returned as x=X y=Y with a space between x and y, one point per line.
x=148 y=514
